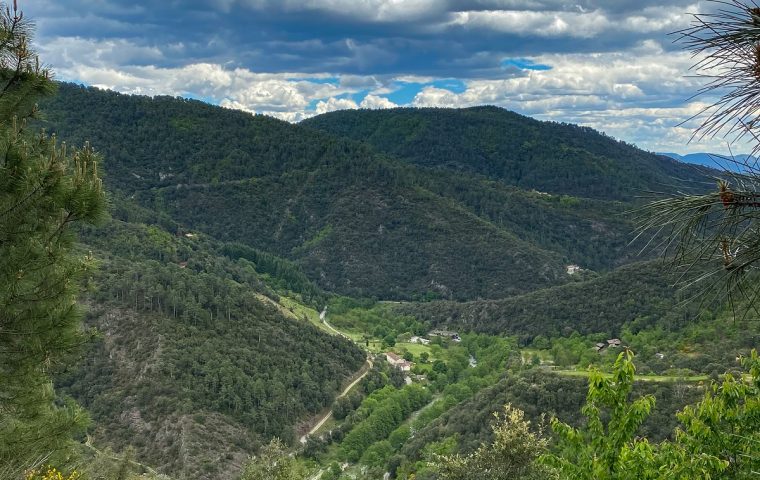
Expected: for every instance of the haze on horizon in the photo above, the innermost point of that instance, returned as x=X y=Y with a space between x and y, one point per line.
x=611 y=65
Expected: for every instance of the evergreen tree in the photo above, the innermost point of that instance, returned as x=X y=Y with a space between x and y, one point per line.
x=720 y=229
x=44 y=189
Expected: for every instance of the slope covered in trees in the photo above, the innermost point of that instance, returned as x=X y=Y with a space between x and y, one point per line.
x=215 y=210
x=351 y=218
x=362 y=222
x=193 y=365
x=517 y=150
x=538 y=393
x=645 y=293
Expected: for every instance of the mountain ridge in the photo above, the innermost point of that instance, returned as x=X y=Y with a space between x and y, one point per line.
x=515 y=149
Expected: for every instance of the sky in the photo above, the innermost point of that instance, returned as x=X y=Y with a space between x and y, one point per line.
x=608 y=64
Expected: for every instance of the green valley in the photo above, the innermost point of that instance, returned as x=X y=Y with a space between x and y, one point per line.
x=247 y=271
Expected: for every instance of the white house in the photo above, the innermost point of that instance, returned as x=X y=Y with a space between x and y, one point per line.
x=398 y=362
x=573 y=269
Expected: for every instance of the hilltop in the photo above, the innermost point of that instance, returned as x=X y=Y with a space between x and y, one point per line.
x=557 y=158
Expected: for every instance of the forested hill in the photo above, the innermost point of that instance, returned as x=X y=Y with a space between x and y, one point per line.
x=644 y=294
x=194 y=367
x=357 y=221
x=518 y=150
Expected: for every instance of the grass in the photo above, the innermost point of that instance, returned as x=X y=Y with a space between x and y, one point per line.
x=544 y=355
x=638 y=378
x=300 y=311
x=415 y=348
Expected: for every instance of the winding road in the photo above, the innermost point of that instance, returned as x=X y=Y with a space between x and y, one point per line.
x=364 y=371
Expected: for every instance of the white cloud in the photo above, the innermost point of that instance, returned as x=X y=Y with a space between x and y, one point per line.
x=285 y=95
x=375 y=102
x=575 y=24
x=639 y=97
x=332 y=104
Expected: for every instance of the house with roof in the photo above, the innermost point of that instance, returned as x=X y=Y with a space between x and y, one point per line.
x=398 y=362
x=611 y=343
x=573 y=269
x=446 y=334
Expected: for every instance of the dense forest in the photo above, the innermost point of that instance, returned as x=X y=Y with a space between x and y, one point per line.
x=191 y=351
x=319 y=200
x=644 y=293
x=514 y=149
x=223 y=242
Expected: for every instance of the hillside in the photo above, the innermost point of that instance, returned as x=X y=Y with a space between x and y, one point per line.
x=517 y=150
x=193 y=366
x=367 y=223
x=358 y=222
x=537 y=393
x=645 y=293
x=217 y=213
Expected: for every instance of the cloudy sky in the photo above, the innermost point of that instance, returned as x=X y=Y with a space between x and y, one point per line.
x=609 y=64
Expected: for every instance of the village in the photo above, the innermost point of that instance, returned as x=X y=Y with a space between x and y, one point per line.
x=405 y=363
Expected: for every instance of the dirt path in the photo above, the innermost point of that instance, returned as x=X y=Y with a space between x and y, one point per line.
x=362 y=373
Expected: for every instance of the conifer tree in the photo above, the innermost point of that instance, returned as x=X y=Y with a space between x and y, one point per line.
x=717 y=234
x=44 y=189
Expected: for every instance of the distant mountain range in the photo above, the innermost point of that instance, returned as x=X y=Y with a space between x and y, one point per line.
x=713 y=160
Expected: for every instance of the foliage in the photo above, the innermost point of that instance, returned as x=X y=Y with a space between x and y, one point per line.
x=272 y=463
x=725 y=426
x=718 y=438
x=512 y=455
x=536 y=392
x=194 y=348
x=383 y=419
x=612 y=421
x=285 y=274
x=719 y=229
x=316 y=200
x=643 y=293
x=44 y=190
x=724 y=42
x=508 y=147
x=50 y=473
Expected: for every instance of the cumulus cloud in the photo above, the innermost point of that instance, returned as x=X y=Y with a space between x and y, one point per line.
x=640 y=98
x=573 y=24
x=332 y=104
x=375 y=102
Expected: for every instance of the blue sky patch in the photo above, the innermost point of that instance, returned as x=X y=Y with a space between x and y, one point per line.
x=524 y=64
x=320 y=80
x=406 y=91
